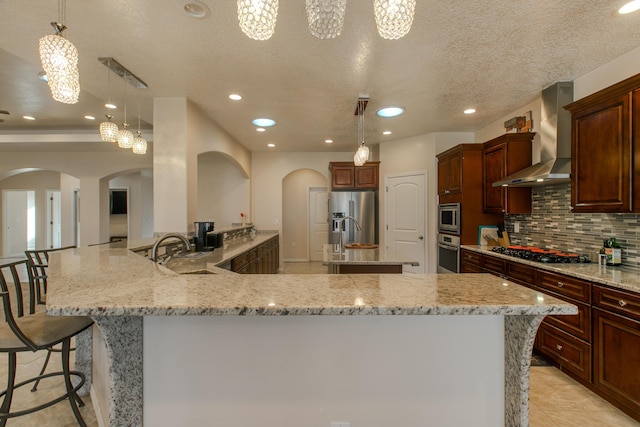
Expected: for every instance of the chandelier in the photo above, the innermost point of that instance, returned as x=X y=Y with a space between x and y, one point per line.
x=125 y=137
x=326 y=17
x=394 y=17
x=108 y=129
x=59 y=58
x=257 y=18
x=362 y=153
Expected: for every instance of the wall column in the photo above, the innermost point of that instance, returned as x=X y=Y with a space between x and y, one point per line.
x=174 y=167
x=94 y=211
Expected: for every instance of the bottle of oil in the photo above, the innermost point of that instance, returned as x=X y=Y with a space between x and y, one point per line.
x=615 y=251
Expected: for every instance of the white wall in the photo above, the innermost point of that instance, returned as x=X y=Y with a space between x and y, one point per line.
x=419 y=154
x=133 y=182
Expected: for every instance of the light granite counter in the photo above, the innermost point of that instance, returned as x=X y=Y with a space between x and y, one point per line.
x=621 y=277
x=333 y=255
x=126 y=293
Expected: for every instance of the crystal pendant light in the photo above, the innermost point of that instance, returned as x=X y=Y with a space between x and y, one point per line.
x=257 y=18
x=394 y=17
x=125 y=137
x=326 y=17
x=59 y=58
x=109 y=130
x=139 y=143
x=362 y=153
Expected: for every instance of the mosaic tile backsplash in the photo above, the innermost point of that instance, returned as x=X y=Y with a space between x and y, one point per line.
x=552 y=225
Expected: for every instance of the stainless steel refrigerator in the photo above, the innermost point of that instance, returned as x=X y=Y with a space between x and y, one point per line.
x=361 y=205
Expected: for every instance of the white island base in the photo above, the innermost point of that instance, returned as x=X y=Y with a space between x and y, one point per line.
x=373 y=371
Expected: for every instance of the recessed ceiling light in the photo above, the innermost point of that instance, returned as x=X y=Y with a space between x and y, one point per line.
x=386 y=132
x=260 y=129
x=390 y=111
x=196 y=9
x=235 y=97
x=43 y=76
x=111 y=106
x=632 y=6
x=28 y=117
x=263 y=122
x=328 y=141
x=88 y=117
x=469 y=111
x=271 y=145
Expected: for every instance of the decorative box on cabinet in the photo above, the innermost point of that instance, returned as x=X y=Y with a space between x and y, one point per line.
x=347 y=176
x=503 y=156
x=616 y=364
x=604 y=129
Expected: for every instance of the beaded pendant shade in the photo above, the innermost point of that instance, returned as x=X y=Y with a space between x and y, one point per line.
x=362 y=153
x=394 y=17
x=109 y=130
x=257 y=18
x=139 y=144
x=326 y=17
x=59 y=59
x=125 y=137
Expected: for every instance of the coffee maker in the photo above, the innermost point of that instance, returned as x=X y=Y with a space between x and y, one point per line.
x=200 y=230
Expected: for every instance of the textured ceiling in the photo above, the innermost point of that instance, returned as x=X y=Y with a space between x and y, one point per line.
x=492 y=55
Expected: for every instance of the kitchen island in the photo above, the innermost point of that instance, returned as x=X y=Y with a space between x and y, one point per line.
x=228 y=349
x=363 y=259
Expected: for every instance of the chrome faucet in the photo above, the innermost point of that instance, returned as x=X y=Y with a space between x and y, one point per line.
x=156 y=244
x=340 y=227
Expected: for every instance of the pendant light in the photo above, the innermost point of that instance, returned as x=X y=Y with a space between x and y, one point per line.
x=362 y=153
x=257 y=18
x=139 y=143
x=325 y=17
x=59 y=59
x=125 y=137
x=394 y=17
x=108 y=129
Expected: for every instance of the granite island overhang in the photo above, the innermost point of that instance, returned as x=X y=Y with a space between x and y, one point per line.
x=204 y=329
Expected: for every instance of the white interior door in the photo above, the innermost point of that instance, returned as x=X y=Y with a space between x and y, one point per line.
x=405 y=216
x=19 y=222
x=318 y=222
x=54 y=222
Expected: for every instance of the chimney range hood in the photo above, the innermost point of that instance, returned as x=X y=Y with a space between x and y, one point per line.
x=555 y=142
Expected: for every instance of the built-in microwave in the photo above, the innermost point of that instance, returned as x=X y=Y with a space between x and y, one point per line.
x=449 y=218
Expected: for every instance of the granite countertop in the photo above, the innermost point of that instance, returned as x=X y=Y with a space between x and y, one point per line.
x=102 y=281
x=620 y=277
x=331 y=254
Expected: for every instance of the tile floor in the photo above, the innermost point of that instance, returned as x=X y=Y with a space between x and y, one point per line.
x=555 y=399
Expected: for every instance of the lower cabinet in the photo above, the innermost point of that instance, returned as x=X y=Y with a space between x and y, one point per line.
x=570 y=353
x=262 y=259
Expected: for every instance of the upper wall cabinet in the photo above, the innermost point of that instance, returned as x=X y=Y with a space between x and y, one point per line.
x=347 y=176
x=450 y=171
x=604 y=130
x=503 y=156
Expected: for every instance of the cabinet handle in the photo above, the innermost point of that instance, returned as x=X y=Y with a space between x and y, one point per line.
x=558 y=347
x=560 y=284
x=622 y=303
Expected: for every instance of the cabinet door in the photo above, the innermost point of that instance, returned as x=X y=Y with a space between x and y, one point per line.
x=572 y=354
x=494 y=168
x=342 y=177
x=616 y=367
x=443 y=174
x=366 y=177
x=450 y=174
x=601 y=167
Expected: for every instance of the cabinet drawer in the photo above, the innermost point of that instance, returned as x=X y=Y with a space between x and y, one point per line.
x=494 y=264
x=569 y=352
x=467 y=267
x=564 y=286
x=621 y=302
x=520 y=273
x=471 y=258
x=578 y=325
x=240 y=261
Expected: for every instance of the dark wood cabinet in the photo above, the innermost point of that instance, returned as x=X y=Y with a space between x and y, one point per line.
x=501 y=157
x=263 y=259
x=459 y=171
x=569 y=352
x=470 y=262
x=616 y=364
x=347 y=176
x=604 y=130
x=450 y=172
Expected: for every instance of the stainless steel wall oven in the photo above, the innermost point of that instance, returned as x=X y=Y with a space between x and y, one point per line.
x=448 y=253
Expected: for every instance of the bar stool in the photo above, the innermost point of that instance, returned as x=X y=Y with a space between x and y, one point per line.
x=26 y=330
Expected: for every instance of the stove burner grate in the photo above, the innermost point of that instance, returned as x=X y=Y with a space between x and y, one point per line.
x=551 y=256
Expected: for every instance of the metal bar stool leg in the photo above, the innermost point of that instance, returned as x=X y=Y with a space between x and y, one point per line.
x=44 y=368
x=8 y=394
x=66 y=348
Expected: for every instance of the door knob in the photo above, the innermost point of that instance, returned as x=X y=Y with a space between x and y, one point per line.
x=420 y=237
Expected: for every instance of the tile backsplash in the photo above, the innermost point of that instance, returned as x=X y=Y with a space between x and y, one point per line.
x=552 y=225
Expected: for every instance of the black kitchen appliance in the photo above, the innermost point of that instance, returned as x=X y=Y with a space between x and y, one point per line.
x=200 y=230
x=550 y=256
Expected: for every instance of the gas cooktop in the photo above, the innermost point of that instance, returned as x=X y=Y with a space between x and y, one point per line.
x=541 y=255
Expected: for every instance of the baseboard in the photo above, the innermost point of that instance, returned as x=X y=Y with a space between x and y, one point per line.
x=297 y=260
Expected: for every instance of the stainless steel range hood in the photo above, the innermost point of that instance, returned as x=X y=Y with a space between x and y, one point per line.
x=555 y=142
